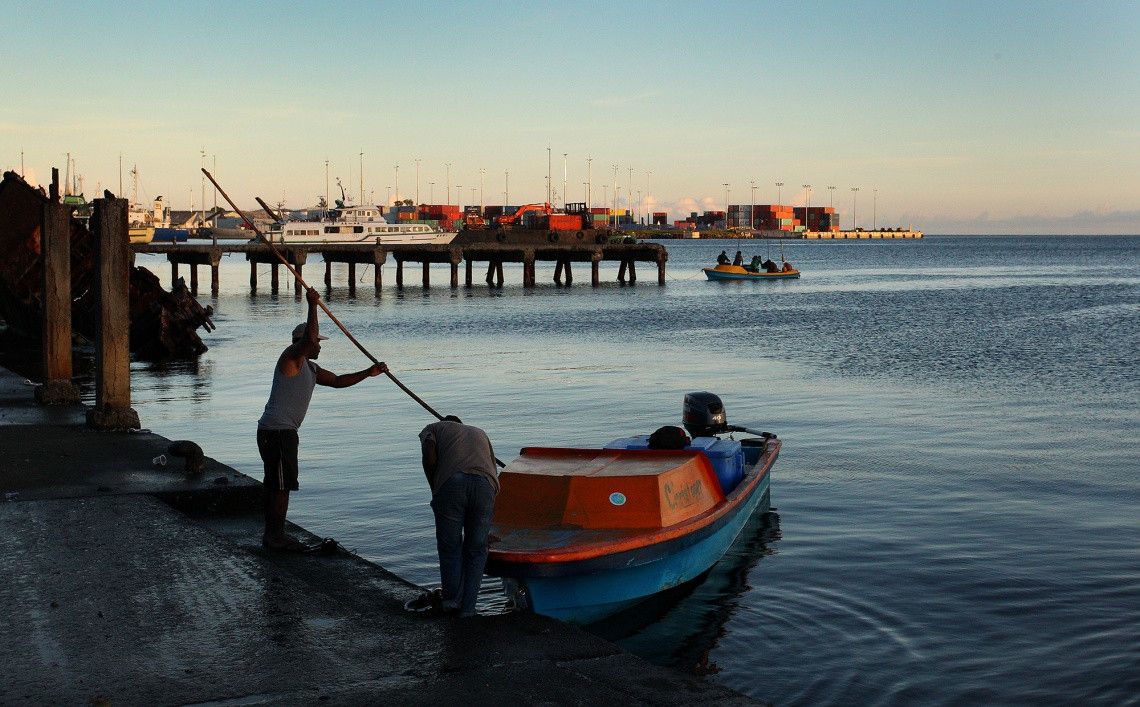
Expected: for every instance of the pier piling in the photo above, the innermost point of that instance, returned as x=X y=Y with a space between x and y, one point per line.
x=57 y=388
x=112 y=352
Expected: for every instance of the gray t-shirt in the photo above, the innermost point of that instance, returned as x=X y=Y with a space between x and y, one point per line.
x=289 y=398
x=460 y=449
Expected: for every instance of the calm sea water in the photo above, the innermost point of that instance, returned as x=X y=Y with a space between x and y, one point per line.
x=957 y=506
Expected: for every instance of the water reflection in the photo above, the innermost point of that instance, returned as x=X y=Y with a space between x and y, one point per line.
x=680 y=627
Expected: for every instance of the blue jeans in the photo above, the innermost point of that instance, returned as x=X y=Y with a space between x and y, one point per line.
x=463 y=508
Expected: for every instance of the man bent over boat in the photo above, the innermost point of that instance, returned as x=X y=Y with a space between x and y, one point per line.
x=294 y=378
x=459 y=463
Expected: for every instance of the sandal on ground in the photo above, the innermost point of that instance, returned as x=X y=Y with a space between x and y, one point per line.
x=286 y=543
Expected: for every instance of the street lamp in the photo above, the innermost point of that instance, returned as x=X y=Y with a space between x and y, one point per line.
x=448 y=166
x=361 y=202
x=807 y=204
x=431 y=191
x=589 y=182
x=481 y=173
x=564 y=154
x=418 y=181
x=506 y=189
x=779 y=187
x=875 y=210
x=726 y=193
x=397 y=183
x=752 y=206
x=854 y=197
x=832 y=190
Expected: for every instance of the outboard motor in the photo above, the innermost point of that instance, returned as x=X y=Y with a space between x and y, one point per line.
x=704 y=415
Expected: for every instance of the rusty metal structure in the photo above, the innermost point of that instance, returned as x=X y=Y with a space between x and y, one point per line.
x=163 y=324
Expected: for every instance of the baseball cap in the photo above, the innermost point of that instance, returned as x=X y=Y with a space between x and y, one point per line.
x=299 y=333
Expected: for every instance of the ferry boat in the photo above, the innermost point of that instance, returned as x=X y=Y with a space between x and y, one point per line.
x=357 y=224
x=582 y=534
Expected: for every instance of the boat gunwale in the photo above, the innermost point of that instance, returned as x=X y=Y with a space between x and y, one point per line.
x=640 y=541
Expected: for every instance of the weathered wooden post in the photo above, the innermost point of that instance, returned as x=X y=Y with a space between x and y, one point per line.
x=399 y=273
x=252 y=276
x=661 y=256
x=299 y=258
x=454 y=270
x=467 y=268
x=274 y=277
x=214 y=266
x=173 y=270
x=328 y=273
x=528 y=268
x=351 y=278
x=378 y=257
x=194 y=279
x=55 y=245
x=112 y=350
x=427 y=273
x=595 y=279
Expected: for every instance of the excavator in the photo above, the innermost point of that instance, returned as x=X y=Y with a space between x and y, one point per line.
x=516 y=218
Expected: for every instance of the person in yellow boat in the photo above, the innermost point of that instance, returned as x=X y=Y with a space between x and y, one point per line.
x=788 y=267
x=756 y=264
x=459 y=463
x=722 y=259
x=739 y=259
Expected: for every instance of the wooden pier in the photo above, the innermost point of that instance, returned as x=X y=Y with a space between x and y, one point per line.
x=563 y=256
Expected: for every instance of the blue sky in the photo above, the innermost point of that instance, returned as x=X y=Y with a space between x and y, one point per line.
x=966 y=117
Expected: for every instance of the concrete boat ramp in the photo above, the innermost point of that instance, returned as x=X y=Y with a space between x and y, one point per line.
x=130 y=583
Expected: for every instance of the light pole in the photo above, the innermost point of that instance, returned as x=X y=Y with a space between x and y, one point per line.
x=832 y=190
x=431 y=191
x=481 y=173
x=326 y=186
x=506 y=189
x=639 y=206
x=388 y=201
x=448 y=166
x=726 y=193
x=564 y=155
x=472 y=195
x=752 y=206
x=202 y=222
x=549 y=186
x=875 y=210
x=807 y=205
x=779 y=187
x=648 y=190
x=589 y=182
x=854 y=197
x=361 y=202
x=459 y=194
x=615 y=195
x=418 y=181
x=397 y=182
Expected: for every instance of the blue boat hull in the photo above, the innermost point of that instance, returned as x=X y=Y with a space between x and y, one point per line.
x=590 y=596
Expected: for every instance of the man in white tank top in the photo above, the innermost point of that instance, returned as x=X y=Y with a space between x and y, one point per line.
x=294 y=377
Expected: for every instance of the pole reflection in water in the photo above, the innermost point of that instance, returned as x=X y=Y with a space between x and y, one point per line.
x=679 y=628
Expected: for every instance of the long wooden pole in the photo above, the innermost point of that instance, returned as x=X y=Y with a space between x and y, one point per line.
x=321 y=302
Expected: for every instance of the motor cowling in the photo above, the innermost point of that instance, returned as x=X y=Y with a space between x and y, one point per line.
x=704 y=414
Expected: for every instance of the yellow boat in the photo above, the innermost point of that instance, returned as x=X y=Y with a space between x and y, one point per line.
x=739 y=272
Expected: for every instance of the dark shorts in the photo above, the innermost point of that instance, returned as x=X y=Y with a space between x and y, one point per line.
x=279 y=452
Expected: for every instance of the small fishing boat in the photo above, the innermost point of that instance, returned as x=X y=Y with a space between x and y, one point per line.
x=582 y=534
x=739 y=272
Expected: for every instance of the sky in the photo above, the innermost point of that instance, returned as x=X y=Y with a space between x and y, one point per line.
x=950 y=117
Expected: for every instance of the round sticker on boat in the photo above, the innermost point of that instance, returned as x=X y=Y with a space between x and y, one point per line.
x=617 y=498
